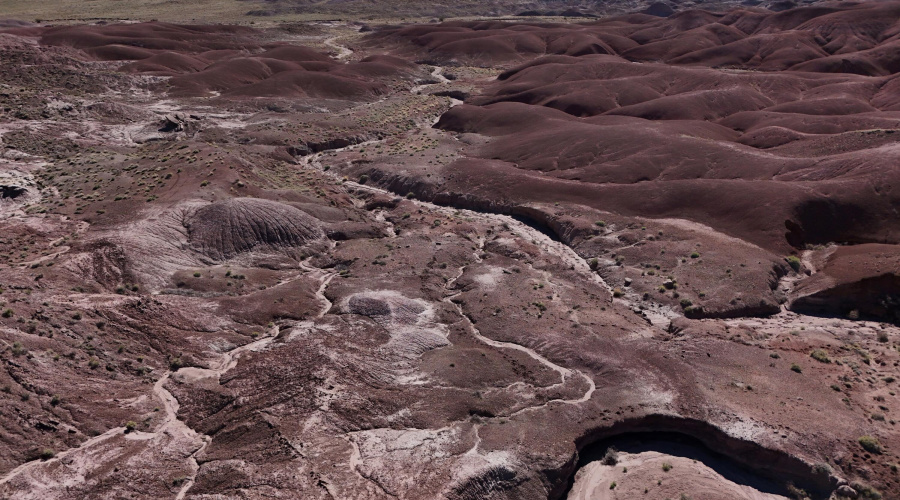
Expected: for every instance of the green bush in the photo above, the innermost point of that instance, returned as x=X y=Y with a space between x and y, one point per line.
x=871 y=444
x=794 y=262
x=820 y=355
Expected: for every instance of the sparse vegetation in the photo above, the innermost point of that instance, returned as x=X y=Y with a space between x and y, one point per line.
x=797 y=493
x=866 y=492
x=18 y=349
x=611 y=457
x=820 y=355
x=794 y=262
x=446 y=275
x=871 y=444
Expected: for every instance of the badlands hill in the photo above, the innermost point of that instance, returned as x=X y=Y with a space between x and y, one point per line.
x=463 y=259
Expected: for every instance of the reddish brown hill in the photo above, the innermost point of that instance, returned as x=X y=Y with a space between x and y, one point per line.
x=228 y=61
x=840 y=38
x=774 y=127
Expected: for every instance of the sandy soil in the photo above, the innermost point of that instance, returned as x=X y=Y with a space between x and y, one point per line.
x=641 y=475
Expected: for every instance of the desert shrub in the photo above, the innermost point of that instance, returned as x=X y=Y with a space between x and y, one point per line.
x=823 y=468
x=796 y=368
x=47 y=454
x=666 y=466
x=611 y=457
x=866 y=492
x=871 y=444
x=820 y=356
x=17 y=349
x=794 y=262
x=130 y=426
x=797 y=493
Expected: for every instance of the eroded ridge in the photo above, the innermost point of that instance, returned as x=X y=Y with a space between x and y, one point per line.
x=451 y=259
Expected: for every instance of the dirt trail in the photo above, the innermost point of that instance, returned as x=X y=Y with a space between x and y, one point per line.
x=564 y=373
x=324 y=279
x=343 y=51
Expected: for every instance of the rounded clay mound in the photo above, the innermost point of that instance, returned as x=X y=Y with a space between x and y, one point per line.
x=386 y=307
x=225 y=229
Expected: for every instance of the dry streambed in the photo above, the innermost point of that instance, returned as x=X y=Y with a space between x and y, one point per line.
x=380 y=331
